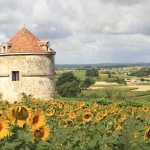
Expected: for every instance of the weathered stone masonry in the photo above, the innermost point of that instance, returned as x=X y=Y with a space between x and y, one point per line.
x=29 y=72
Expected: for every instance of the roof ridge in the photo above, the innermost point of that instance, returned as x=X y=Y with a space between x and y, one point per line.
x=23 y=30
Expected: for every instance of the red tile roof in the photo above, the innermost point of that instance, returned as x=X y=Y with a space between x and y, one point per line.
x=42 y=43
x=25 y=41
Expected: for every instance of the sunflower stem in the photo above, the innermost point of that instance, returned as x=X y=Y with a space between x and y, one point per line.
x=25 y=129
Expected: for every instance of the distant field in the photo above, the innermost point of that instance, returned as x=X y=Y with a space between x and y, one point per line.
x=80 y=74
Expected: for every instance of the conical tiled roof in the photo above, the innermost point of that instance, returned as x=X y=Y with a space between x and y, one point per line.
x=25 y=41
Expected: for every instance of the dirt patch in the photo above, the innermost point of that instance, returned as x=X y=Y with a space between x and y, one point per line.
x=139 y=87
x=93 y=88
x=105 y=83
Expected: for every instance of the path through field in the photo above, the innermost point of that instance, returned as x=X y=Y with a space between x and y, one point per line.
x=139 y=87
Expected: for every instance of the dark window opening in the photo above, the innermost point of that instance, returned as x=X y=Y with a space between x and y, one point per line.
x=15 y=75
x=4 y=48
x=47 y=47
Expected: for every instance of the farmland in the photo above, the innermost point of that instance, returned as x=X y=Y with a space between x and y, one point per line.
x=122 y=73
x=106 y=116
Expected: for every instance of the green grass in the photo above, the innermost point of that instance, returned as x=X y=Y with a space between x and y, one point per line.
x=80 y=74
x=145 y=83
x=116 y=93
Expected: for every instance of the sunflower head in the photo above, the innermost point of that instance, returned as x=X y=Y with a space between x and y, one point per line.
x=4 y=129
x=20 y=113
x=136 y=135
x=104 y=113
x=50 y=112
x=42 y=133
x=98 y=117
x=79 y=118
x=87 y=116
x=82 y=103
x=147 y=133
x=145 y=109
x=72 y=115
x=1 y=114
x=37 y=120
x=62 y=113
x=63 y=123
x=95 y=104
x=118 y=126
x=70 y=122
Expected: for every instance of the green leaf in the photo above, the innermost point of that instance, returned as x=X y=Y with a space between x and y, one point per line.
x=93 y=142
x=42 y=145
x=28 y=136
x=91 y=128
x=12 y=145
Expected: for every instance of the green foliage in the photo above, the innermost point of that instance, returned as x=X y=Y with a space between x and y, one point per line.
x=108 y=92
x=92 y=72
x=141 y=72
x=109 y=75
x=69 y=89
x=67 y=85
x=66 y=77
x=86 y=83
x=120 y=81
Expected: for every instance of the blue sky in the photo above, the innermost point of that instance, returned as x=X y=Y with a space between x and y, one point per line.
x=83 y=31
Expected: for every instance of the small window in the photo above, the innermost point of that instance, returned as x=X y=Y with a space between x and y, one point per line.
x=15 y=75
x=47 y=47
x=4 y=48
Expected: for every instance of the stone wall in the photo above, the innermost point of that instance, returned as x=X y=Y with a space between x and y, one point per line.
x=36 y=76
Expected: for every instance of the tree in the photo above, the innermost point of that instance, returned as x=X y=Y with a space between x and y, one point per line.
x=120 y=81
x=67 y=85
x=109 y=75
x=92 y=72
x=69 y=89
x=86 y=83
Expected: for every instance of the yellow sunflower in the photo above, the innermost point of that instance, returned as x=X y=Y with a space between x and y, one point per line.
x=82 y=103
x=79 y=118
x=147 y=133
x=50 y=112
x=72 y=115
x=69 y=122
x=104 y=113
x=145 y=109
x=118 y=126
x=62 y=113
x=98 y=117
x=123 y=117
x=136 y=135
x=4 y=129
x=19 y=113
x=1 y=114
x=63 y=123
x=77 y=127
x=60 y=105
x=42 y=133
x=37 y=120
x=87 y=116
x=95 y=104
x=137 y=117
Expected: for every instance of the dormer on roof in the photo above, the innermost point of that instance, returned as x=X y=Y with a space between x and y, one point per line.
x=5 y=46
x=45 y=44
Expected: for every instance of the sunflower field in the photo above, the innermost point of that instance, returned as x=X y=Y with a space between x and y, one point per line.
x=34 y=124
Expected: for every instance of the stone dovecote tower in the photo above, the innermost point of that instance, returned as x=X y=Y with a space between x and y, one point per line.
x=26 y=65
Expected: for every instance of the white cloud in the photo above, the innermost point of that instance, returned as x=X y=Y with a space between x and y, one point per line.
x=83 y=31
